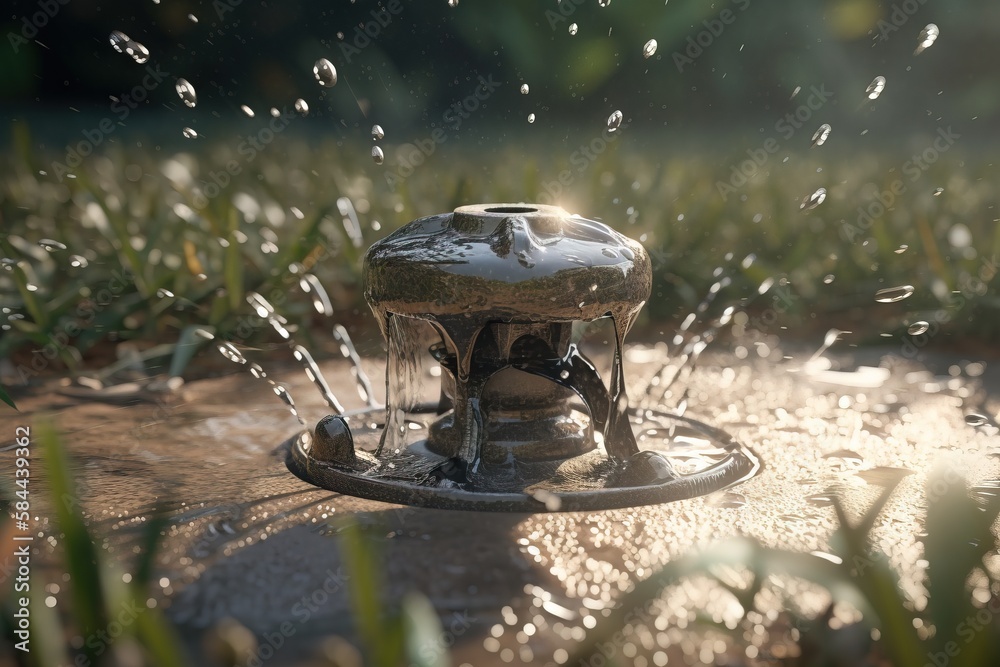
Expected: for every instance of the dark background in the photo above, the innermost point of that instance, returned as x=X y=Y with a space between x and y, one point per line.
x=429 y=56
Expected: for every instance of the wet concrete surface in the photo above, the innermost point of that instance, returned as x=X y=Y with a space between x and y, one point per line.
x=250 y=541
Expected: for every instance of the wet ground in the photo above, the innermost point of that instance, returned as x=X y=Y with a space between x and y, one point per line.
x=250 y=541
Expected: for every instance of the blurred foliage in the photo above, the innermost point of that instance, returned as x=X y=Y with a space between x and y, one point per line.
x=150 y=259
x=106 y=608
x=952 y=626
x=402 y=60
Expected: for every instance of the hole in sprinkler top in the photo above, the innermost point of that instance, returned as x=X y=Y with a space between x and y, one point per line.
x=512 y=209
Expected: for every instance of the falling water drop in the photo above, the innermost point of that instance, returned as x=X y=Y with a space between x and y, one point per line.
x=377 y=155
x=247 y=110
x=275 y=112
x=893 y=294
x=614 y=121
x=119 y=40
x=937 y=192
x=531 y=118
x=78 y=261
x=453 y=3
x=875 y=88
x=603 y=3
x=927 y=37
x=51 y=245
x=325 y=73
x=918 y=328
x=976 y=419
x=189 y=133
x=649 y=49
x=573 y=28
x=377 y=132
x=820 y=136
x=164 y=293
x=186 y=92
x=813 y=200
x=302 y=106
x=524 y=89
x=229 y=351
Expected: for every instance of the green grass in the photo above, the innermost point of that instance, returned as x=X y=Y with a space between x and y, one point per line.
x=136 y=217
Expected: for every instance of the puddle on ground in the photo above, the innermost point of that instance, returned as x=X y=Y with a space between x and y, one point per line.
x=248 y=539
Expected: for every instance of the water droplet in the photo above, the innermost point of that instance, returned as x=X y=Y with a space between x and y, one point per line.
x=230 y=352
x=564 y=374
x=604 y=3
x=453 y=3
x=813 y=200
x=524 y=89
x=377 y=132
x=976 y=419
x=192 y=18
x=649 y=49
x=302 y=106
x=927 y=37
x=189 y=133
x=275 y=112
x=609 y=252
x=164 y=293
x=937 y=192
x=918 y=328
x=819 y=138
x=820 y=500
x=119 y=40
x=378 y=155
x=78 y=261
x=614 y=120
x=247 y=110
x=901 y=249
x=325 y=73
x=531 y=118
x=186 y=92
x=828 y=278
x=875 y=88
x=573 y=28
x=52 y=245
x=893 y=294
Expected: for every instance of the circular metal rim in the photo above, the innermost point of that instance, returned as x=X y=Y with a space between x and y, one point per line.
x=736 y=467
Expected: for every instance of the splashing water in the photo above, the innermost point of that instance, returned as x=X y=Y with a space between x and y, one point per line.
x=615 y=120
x=894 y=294
x=820 y=136
x=813 y=200
x=325 y=73
x=186 y=92
x=927 y=38
x=875 y=88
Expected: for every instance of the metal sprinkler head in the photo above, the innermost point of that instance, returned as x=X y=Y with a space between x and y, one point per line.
x=492 y=298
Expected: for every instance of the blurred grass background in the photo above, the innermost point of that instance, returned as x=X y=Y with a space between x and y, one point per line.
x=192 y=241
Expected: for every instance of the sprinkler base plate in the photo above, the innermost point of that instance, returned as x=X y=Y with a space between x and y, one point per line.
x=680 y=458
